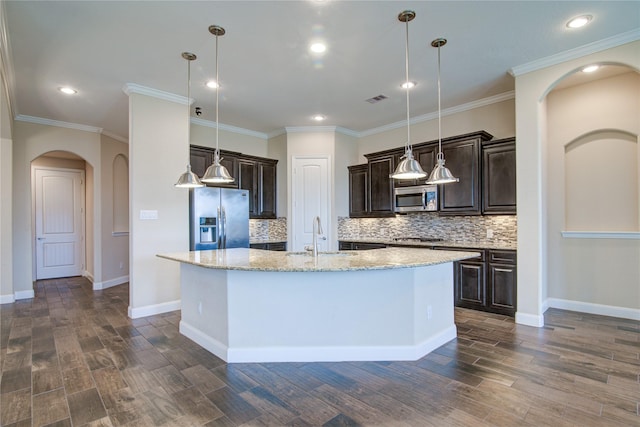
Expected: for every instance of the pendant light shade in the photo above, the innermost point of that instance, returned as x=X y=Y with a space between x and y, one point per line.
x=440 y=174
x=189 y=179
x=408 y=168
x=217 y=173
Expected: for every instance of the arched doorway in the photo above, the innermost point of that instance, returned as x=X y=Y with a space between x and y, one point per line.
x=59 y=208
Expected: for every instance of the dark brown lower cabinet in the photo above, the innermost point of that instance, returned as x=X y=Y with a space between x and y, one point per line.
x=469 y=280
x=501 y=282
x=359 y=246
x=271 y=246
x=487 y=282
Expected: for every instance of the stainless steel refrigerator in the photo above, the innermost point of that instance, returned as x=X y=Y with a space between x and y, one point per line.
x=219 y=218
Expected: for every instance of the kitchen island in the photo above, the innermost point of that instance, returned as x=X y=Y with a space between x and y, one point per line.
x=250 y=305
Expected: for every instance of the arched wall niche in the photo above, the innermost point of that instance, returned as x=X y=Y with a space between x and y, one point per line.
x=120 y=194
x=601 y=182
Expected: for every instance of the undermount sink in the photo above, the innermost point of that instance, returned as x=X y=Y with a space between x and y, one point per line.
x=321 y=254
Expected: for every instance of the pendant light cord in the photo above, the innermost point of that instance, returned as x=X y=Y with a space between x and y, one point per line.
x=189 y=106
x=440 y=155
x=406 y=64
x=217 y=91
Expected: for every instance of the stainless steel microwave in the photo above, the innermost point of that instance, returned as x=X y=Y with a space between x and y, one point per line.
x=419 y=198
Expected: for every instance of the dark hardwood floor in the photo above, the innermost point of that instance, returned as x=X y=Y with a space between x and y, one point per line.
x=71 y=357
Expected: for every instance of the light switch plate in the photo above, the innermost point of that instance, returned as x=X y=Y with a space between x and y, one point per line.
x=148 y=214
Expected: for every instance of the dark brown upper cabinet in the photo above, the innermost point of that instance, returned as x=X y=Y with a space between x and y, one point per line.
x=462 y=157
x=267 y=188
x=255 y=174
x=380 y=185
x=202 y=157
x=499 y=177
x=371 y=190
x=358 y=191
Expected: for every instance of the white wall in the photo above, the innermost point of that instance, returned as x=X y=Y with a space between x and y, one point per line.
x=277 y=149
x=31 y=141
x=158 y=150
x=592 y=158
x=6 y=195
x=115 y=246
x=346 y=149
x=534 y=208
x=498 y=119
x=231 y=141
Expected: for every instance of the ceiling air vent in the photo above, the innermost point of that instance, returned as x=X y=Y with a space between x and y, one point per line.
x=376 y=99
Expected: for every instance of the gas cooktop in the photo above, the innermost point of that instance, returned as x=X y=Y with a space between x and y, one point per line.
x=417 y=239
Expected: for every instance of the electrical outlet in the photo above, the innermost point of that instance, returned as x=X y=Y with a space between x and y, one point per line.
x=489 y=233
x=121 y=265
x=200 y=307
x=429 y=313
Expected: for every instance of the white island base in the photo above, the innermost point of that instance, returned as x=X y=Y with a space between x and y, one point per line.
x=365 y=315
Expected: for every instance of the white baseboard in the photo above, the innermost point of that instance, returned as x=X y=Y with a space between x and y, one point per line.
x=591 y=308
x=151 y=310
x=316 y=354
x=529 y=319
x=98 y=286
x=7 y=299
x=24 y=294
x=88 y=275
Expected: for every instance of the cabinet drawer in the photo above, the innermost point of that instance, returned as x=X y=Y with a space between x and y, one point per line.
x=507 y=257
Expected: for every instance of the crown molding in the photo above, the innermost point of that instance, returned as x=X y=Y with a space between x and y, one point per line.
x=130 y=88
x=278 y=132
x=57 y=123
x=446 y=112
x=114 y=136
x=568 y=55
x=229 y=128
x=307 y=129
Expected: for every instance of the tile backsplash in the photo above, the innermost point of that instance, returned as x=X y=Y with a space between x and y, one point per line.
x=493 y=228
x=268 y=229
x=461 y=229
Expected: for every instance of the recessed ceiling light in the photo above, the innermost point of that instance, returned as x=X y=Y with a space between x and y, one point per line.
x=408 y=85
x=319 y=117
x=211 y=84
x=318 y=47
x=590 y=68
x=68 y=90
x=579 y=21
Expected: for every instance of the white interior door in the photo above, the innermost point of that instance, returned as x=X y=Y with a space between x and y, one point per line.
x=59 y=210
x=310 y=189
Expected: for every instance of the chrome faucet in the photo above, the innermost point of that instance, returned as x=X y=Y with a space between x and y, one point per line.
x=317 y=231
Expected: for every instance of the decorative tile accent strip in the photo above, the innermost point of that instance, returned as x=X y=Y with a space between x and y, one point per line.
x=462 y=229
x=268 y=229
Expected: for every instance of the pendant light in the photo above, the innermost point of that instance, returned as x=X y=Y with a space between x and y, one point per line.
x=217 y=173
x=440 y=174
x=189 y=179
x=408 y=168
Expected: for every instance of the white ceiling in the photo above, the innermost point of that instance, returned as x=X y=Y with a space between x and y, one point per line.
x=269 y=78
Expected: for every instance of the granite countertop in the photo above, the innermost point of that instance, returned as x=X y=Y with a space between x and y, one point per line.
x=475 y=244
x=260 y=260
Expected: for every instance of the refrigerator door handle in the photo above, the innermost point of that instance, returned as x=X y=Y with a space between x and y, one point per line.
x=224 y=229
x=219 y=230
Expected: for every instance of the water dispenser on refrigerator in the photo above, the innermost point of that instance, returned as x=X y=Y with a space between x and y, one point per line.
x=208 y=229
